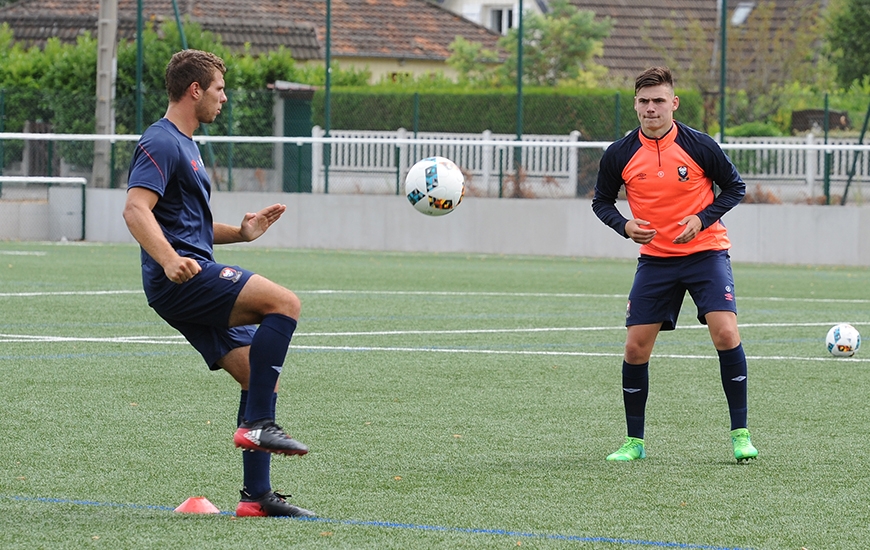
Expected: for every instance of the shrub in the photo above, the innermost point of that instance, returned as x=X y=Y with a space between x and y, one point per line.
x=754 y=129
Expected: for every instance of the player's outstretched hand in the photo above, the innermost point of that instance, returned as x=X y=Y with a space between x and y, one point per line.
x=255 y=224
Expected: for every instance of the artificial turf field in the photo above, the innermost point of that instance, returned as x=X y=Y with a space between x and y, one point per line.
x=450 y=401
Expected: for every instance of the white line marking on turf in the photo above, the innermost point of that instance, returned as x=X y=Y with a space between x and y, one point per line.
x=451 y=293
x=68 y=293
x=9 y=338
x=562 y=353
x=179 y=340
x=176 y=339
x=463 y=331
x=547 y=329
x=444 y=293
x=560 y=295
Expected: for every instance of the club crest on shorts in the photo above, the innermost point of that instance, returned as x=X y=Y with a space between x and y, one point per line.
x=230 y=274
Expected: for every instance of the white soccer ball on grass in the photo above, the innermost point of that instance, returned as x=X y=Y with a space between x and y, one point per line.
x=843 y=340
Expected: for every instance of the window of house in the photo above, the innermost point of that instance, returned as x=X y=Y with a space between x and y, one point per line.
x=400 y=77
x=501 y=19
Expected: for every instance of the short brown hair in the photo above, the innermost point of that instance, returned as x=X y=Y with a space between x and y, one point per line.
x=189 y=66
x=654 y=76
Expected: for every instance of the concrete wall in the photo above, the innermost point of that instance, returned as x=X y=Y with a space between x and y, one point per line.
x=37 y=218
x=760 y=233
x=24 y=220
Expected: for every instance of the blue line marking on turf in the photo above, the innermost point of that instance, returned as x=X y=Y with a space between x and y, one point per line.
x=547 y=536
x=396 y=525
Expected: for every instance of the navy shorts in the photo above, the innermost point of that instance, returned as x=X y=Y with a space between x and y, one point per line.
x=660 y=284
x=200 y=308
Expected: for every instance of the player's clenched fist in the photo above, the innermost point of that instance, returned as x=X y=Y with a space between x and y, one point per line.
x=182 y=270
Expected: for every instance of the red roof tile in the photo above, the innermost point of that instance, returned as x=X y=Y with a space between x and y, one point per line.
x=627 y=51
x=411 y=29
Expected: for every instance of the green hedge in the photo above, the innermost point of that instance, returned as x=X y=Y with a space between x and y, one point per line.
x=597 y=114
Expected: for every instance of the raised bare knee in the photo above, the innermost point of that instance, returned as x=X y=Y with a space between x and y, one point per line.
x=291 y=306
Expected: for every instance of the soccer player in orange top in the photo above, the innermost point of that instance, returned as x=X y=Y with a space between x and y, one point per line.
x=669 y=171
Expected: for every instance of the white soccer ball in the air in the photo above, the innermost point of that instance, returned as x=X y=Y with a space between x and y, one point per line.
x=435 y=186
x=843 y=340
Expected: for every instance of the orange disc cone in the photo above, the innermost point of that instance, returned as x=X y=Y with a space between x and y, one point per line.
x=197 y=505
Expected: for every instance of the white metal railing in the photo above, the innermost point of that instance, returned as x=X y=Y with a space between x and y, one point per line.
x=794 y=163
x=484 y=157
x=776 y=161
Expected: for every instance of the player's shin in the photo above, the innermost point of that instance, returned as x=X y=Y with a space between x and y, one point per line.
x=268 y=351
x=256 y=466
x=635 y=389
x=732 y=366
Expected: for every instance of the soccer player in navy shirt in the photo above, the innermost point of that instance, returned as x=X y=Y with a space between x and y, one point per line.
x=216 y=307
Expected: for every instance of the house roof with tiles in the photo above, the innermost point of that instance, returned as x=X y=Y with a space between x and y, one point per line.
x=638 y=23
x=405 y=29
x=627 y=50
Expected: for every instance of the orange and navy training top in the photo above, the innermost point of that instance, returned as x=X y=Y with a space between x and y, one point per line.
x=667 y=179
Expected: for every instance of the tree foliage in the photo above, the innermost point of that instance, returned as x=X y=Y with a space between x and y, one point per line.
x=56 y=86
x=473 y=63
x=763 y=59
x=71 y=68
x=847 y=35
x=558 y=49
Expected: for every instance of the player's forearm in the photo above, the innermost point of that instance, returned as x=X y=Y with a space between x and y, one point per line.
x=727 y=199
x=226 y=234
x=607 y=212
x=145 y=229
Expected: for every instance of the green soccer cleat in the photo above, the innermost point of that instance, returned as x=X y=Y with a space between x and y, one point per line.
x=632 y=449
x=743 y=449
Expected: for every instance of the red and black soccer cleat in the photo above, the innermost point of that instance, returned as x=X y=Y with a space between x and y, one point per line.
x=271 y=504
x=268 y=437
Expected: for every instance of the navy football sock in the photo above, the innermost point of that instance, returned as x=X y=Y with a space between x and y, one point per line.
x=732 y=366
x=635 y=389
x=256 y=465
x=268 y=350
